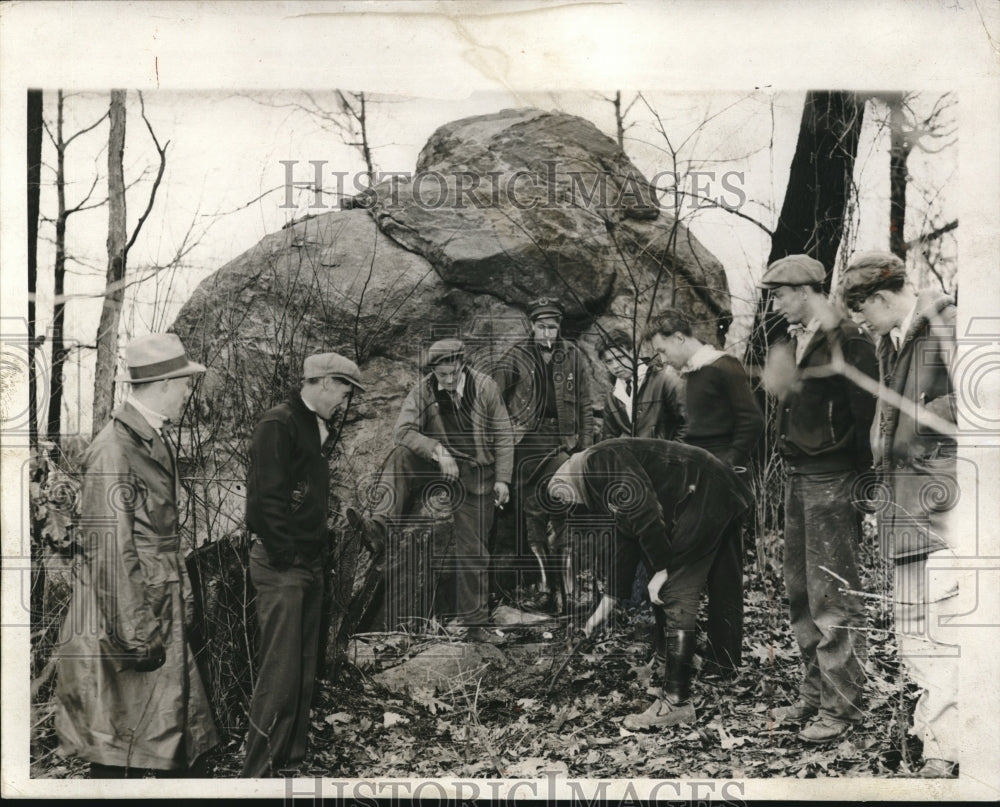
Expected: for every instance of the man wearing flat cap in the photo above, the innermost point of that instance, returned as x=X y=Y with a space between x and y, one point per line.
x=129 y=698
x=287 y=489
x=453 y=426
x=915 y=460
x=544 y=382
x=823 y=434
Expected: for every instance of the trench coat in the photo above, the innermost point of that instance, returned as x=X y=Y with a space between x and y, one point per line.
x=130 y=593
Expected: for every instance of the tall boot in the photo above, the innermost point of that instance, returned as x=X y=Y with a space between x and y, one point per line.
x=674 y=706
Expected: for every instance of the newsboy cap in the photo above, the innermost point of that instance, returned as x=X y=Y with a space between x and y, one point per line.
x=156 y=357
x=444 y=350
x=872 y=269
x=544 y=307
x=795 y=270
x=320 y=365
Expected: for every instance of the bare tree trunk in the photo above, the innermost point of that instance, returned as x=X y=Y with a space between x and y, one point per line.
x=59 y=283
x=107 y=331
x=619 y=123
x=819 y=186
x=899 y=153
x=35 y=128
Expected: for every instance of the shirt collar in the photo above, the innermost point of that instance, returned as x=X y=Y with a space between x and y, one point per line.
x=153 y=418
x=898 y=334
x=706 y=354
x=619 y=391
x=459 y=390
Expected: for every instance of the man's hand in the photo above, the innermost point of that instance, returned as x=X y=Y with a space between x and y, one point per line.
x=501 y=494
x=600 y=615
x=656 y=582
x=449 y=468
x=152 y=657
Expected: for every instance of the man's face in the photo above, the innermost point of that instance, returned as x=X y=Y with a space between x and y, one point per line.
x=876 y=313
x=790 y=302
x=545 y=330
x=332 y=393
x=174 y=394
x=618 y=362
x=670 y=349
x=447 y=374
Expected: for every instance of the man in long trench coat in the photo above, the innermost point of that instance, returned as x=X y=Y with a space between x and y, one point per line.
x=130 y=700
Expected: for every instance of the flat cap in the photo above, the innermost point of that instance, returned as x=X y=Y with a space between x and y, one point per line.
x=544 y=307
x=872 y=269
x=444 y=350
x=795 y=270
x=320 y=365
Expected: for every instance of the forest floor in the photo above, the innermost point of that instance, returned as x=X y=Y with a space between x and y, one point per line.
x=500 y=720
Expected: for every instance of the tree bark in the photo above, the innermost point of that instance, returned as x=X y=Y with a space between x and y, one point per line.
x=35 y=128
x=107 y=331
x=54 y=426
x=899 y=152
x=819 y=185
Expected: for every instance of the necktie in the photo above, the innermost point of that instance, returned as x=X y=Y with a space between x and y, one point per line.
x=628 y=386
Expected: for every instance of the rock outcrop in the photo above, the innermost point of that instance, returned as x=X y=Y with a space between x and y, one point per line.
x=530 y=203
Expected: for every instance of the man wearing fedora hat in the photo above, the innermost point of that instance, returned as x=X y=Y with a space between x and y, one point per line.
x=287 y=490
x=823 y=424
x=453 y=426
x=129 y=696
x=545 y=385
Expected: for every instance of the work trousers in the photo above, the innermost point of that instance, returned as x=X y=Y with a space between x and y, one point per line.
x=462 y=564
x=821 y=538
x=922 y=603
x=289 y=605
x=724 y=625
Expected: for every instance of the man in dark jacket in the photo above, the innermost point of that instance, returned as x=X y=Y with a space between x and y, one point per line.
x=453 y=426
x=287 y=489
x=544 y=384
x=823 y=424
x=915 y=452
x=129 y=698
x=644 y=401
x=673 y=507
x=722 y=418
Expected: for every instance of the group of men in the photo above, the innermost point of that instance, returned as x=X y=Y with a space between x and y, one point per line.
x=669 y=469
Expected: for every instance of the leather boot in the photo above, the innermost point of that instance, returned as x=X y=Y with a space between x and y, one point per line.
x=674 y=707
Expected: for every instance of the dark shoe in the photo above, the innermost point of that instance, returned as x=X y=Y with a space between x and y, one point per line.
x=372 y=532
x=796 y=713
x=662 y=712
x=824 y=730
x=938 y=769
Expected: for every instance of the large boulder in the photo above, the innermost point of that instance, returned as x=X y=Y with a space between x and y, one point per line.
x=382 y=280
x=524 y=203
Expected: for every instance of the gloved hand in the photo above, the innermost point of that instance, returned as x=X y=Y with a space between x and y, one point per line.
x=152 y=657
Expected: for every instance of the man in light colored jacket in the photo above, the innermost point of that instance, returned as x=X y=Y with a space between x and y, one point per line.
x=130 y=700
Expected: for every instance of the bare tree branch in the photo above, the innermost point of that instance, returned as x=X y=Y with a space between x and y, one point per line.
x=162 y=152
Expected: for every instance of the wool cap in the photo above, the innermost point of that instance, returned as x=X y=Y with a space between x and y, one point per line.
x=795 y=270
x=321 y=365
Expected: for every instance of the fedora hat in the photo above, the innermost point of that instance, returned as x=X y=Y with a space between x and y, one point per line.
x=155 y=357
